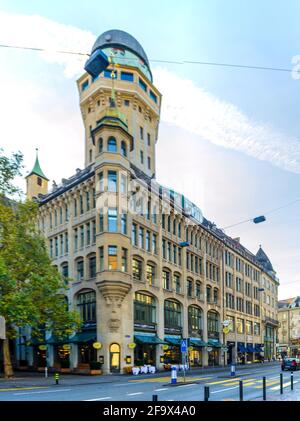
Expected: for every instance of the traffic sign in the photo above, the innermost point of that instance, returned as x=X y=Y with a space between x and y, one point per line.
x=226 y=323
x=183 y=345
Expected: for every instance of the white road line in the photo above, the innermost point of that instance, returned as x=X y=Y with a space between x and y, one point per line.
x=188 y=385
x=98 y=399
x=159 y=390
x=224 y=390
x=42 y=391
x=133 y=394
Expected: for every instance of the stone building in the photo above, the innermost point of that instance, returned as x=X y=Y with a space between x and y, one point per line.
x=289 y=328
x=147 y=268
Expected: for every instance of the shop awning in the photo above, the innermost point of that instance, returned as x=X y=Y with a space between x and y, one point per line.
x=197 y=342
x=36 y=341
x=54 y=340
x=258 y=348
x=241 y=348
x=148 y=339
x=214 y=343
x=250 y=348
x=173 y=340
x=85 y=337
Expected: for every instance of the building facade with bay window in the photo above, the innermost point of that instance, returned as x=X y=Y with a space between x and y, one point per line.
x=145 y=268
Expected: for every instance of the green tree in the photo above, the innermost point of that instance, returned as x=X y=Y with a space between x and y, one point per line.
x=32 y=292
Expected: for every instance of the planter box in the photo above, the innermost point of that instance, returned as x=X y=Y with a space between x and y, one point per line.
x=65 y=370
x=95 y=372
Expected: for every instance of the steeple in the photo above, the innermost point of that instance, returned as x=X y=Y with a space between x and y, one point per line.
x=37 y=182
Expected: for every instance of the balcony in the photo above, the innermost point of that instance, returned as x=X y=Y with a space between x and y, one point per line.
x=270 y=321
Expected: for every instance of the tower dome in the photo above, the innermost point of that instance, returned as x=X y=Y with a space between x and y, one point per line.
x=124 y=48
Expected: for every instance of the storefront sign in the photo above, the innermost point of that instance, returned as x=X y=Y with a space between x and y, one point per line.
x=97 y=345
x=165 y=347
x=131 y=345
x=226 y=330
x=191 y=348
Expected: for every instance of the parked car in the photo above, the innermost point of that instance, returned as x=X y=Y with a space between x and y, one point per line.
x=292 y=364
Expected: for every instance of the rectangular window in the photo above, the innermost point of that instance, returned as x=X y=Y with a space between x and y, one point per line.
x=112 y=258
x=141 y=237
x=149 y=163
x=124 y=223
x=101 y=181
x=148 y=139
x=61 y=244
x=148 y=247
x=66 y=243
x=124 y=260
x=256 y=328
x=141 y=132
x=164 y=248
x=142 y=157
x=248 y=327
x=112 y=220
x=154 y=243
x=84 y=85
x=123 y=184
x=174 y=254
x=93 y=232
x=112 y=181
x=81 y=236
x=134 y=234
x=107 y=74
x=137 y=270
x=56 y=246
x=101 y=257
x=87 y=201
x=240 y=325
x=88 y=234
x=143 y=85
x=81 y=204
x=126 y=103
x=76 y=239
x=92 y=267
x=51 y=248
x=127 y=76
x=169 y=252
x=80 y=270
x=101 y=221
x=153 y=97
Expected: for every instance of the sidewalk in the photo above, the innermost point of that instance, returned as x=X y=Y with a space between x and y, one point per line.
x=34 y=379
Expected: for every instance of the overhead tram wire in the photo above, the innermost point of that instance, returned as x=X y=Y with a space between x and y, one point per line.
x=205 y=63
x=265 y=213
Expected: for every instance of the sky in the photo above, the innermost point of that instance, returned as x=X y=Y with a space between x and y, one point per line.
x=233 y=133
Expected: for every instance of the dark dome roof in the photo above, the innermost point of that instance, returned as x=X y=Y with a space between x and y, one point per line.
x=115 y=37
x=264 y=260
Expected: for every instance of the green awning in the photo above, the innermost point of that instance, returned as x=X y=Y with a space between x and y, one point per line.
x=36 y=341
x=197 y=342
x=173 y=340
x=214 y=343
x=148 y=339
x=84 y=337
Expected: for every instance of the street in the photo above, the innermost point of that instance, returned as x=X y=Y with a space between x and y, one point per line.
x=222 y=387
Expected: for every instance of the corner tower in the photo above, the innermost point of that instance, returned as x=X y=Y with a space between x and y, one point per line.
x=136 y=98
x=36 y=181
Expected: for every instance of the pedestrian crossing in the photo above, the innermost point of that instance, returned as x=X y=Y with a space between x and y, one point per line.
x=272 y=384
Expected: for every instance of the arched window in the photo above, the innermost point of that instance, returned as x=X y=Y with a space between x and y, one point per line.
x=195 y=320
x=123 y=148
x=172 y=313
x=177 y=282
x=79 y=269
x=208 y=294
x=100 y=145
x=65 y=269
x=189 y=287
x=92 y=266
x=86 y=303
x=144 y=309
x=216 y=296
x=112 y=145
x=166 y=279
x=213 y=324
x=137 y=269
x=151 y=272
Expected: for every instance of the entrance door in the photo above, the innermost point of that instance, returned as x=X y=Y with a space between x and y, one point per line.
x=114 y=351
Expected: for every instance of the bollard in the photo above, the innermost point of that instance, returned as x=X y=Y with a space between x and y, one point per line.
x=56 y=376
x=292 y=381
x=264 y=389
x=173 y=375
x=206 y=393
x=232 y=370
x=281 y=383
x=154 y=398
x=241 y=390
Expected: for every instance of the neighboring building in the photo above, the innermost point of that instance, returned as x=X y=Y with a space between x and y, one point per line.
x=289 y=329
x=148 y=268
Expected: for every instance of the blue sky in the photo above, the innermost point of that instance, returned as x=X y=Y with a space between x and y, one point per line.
x=245 y=161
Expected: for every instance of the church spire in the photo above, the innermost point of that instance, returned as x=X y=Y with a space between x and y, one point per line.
x=37 y=182
x=37 y=168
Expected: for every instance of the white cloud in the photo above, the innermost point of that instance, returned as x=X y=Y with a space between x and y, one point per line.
x=192 y=108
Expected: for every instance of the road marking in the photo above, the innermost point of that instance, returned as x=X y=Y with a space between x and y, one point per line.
x=188 y=385
x=133 y=394
x=97 y=399
x=284 y=385
x=158 y=390
x=224 y=390
x=224 y=381
x=268 y=383
x=44 y=391
x=167 y=379
x=22 y=388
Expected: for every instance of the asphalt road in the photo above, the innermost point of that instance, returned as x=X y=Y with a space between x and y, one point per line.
x=222 y=388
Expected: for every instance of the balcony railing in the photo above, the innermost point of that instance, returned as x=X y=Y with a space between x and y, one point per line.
x=270 y=321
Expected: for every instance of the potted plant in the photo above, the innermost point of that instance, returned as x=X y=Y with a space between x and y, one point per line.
x=65 y=366
x=95 y=368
